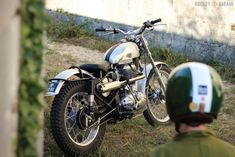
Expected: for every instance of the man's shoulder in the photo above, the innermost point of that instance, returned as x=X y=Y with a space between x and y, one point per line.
x=223 y=144
x=185 y=146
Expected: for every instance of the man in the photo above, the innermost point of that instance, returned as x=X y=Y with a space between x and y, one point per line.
x=193 y=99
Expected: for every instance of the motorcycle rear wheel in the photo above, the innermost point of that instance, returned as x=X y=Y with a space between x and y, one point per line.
x=156 y=104
x=69 y=122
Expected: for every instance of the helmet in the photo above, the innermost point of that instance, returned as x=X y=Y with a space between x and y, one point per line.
x=194 y=93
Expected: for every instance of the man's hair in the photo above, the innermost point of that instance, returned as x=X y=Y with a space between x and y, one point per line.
x=193 y=122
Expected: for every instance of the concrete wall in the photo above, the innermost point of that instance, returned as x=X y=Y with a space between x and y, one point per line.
x=202 y=29
x=9 y=75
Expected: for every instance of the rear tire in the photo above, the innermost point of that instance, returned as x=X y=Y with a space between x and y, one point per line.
x=67 y=122
x=156 y=106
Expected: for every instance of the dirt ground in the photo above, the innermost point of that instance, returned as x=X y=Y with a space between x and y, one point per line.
x=80 y=54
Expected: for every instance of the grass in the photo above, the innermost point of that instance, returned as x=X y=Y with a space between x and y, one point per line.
x=226 y=71
x=68 y=30
x=133 y=137
x=66 y=27
x=168 y=56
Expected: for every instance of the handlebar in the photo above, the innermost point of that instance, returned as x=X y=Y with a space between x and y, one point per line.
x=155 y=21
x=114 y=30
x=100 y=29
x=147 y=24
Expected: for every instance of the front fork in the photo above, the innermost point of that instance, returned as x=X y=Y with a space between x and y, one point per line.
x=156 y=70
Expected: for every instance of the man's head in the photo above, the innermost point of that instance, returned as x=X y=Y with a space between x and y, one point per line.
x=194 y=94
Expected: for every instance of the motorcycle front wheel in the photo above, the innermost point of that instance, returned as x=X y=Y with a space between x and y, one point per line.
x=70 y=122
x=156 y=99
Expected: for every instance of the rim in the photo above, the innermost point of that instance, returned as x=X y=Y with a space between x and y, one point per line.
x=74 y=120
x=156 y=98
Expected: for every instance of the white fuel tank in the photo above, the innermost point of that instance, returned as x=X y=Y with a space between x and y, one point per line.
x=122 y=53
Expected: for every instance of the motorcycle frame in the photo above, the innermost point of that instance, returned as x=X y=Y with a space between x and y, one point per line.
x=64 y=76
x=141 y=84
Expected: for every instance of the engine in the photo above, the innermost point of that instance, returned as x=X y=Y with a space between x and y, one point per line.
x=126 y=71
x=123 y=77
x=130 y=100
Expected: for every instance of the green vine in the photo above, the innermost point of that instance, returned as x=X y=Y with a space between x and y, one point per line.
x=33 y=22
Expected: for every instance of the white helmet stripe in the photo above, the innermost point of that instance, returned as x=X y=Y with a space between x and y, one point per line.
x=201 y=86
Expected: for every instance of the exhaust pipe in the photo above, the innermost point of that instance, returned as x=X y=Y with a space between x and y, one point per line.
x=116 y=84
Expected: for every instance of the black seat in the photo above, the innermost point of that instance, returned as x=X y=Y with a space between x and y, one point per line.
x=96 y=68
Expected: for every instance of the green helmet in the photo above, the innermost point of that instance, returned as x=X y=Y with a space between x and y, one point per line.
x=194 y=92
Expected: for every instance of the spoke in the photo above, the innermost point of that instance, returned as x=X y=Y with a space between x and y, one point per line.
x=87 y=132
x=78 y=135
x=155 y=97
x=70 y=128
x=76 y=103
x=70 y=117
x=75 y=137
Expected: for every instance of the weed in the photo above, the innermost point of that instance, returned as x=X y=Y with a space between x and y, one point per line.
x=67 y=27
x=168 y=56
x=68 y=30
x=233 y=90
x=226 y=71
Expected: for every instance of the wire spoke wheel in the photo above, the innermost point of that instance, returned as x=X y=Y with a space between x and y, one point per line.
x=156 y=96
x=76 y=119
x=71 y=121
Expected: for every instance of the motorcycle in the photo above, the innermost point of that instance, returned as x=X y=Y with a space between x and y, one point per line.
x=90 y=96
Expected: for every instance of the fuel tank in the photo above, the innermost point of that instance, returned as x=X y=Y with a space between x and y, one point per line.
x=122 y=53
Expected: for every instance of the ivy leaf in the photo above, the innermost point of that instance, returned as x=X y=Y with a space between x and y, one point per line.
x=25 y=30
x=31 y=87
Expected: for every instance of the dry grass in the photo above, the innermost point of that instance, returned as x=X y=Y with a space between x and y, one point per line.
x=134 y=137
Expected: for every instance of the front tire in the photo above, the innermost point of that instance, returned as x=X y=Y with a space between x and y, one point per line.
x=156 y=100
x=69 y=125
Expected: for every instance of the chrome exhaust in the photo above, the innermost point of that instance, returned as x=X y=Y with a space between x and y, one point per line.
x=105 y=87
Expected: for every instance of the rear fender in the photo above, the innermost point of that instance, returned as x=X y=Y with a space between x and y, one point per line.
x=57 y=82
x=141 y=84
